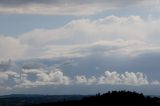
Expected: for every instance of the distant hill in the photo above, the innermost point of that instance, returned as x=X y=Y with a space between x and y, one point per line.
x=114 y=98
x=23 y=99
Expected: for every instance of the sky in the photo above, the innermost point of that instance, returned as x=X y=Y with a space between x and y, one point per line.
x=79 y=46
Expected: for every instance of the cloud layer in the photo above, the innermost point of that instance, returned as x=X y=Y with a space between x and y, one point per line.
x=56 y=77
x=71 y=7
x=35 y=77
x=130 y=36
x=110 y=38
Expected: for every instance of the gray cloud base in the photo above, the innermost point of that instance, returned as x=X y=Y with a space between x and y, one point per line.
x=68 y=7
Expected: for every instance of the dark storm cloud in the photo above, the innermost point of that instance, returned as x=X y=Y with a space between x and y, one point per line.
x=23 y=2
x=67 y=7
x=28 y=2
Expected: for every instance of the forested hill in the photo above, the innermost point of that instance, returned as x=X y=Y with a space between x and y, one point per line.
x=115 y=98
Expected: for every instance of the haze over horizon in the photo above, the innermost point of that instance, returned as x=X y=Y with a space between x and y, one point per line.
x=79 y=46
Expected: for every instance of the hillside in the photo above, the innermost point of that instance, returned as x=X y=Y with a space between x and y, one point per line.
x=115 y=98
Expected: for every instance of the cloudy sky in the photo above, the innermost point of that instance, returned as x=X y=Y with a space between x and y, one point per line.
x=79 y=46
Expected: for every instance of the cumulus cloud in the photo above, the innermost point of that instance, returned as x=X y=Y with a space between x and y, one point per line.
x=8 y=70
x=110 y=78
x=29 y=78
x=6 y=76
x=57 y=77
x=114 y=78
x=53 y=77
x=71 y=7
x=128 y=78
x=13 y=75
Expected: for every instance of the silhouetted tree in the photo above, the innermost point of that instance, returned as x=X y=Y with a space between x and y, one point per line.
x=114 y=98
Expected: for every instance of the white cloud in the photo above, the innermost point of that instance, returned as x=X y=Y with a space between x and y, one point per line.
x=8 y=74
x=29 y=78
x=110 y=78
x=114 y=78
x=56 y=77
x=129 y=36
x=12 y=74
x=128 y=78
x=131 y=78
x=5 y=76
x=53 y=77
x=11 y=48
